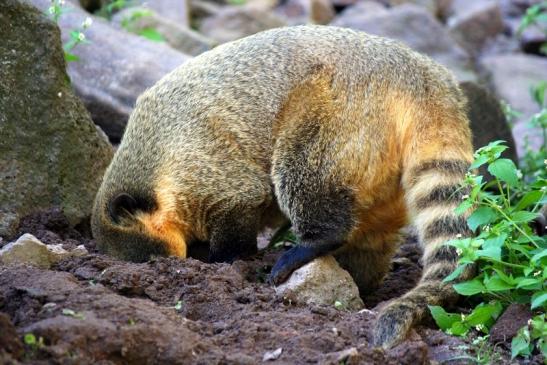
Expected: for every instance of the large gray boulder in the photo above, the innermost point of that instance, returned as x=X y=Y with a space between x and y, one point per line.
x=115 y=67
x=475 y=22
x=417 y=28
x=511 y=76
x=234 y=22
x=51 y=153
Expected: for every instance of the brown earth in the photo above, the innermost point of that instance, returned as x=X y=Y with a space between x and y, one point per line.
x=98 y=310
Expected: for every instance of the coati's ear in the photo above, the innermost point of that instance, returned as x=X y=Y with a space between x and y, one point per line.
x=123 y=205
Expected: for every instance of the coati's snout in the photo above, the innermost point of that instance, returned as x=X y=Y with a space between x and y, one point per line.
x=134 y=229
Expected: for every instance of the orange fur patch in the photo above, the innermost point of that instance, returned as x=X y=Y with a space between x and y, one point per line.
x=165 y=223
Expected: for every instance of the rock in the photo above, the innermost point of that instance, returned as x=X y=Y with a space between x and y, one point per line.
x=51 y=153
x=511 y=77
x=175 y=10
x=475 y=23
x=307 y=11
x=354 y=15
x=235 y=22
x=109 y=93
x=272 y=355
x=514 y=318
x=430 y=5
x=530 y=39
x=202 y=9
x=488 y=122
x=10 y=344
x=418 y=29
x=321 y=282
x=179 y=37
x=29 y=250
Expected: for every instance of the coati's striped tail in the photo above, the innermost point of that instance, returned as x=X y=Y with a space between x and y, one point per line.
x=432 y=191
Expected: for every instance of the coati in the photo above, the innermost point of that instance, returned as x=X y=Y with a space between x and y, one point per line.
x=346 y=135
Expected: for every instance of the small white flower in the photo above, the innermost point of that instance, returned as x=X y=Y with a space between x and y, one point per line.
x=81 y=37
x=51 y=10
x=459 y=235
x=87 y=22
x=60 y=94
x=463 y=317
x=530 y=322
x=479 y=327
x=537 y=273
x=519 y=174
x=459 y=251
x=465 y=197
x=545 y=162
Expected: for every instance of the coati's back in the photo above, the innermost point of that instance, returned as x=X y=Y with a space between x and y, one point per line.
x=295 y=110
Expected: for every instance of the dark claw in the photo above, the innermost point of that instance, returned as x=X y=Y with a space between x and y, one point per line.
x=291 y=260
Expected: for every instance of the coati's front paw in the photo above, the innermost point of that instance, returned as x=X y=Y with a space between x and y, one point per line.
x=393 y=323
x=291 y=260
x=283 y=268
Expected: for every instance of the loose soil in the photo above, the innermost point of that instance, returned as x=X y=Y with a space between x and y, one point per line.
x=99 y=310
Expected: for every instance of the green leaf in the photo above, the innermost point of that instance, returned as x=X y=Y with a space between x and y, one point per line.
x=520 y=345
x=459 y=329
x=538 y=299
x=523 y=216
x=29 y=339
x=528 y=199
x=539 y=256
x=495 y=283
x=522 y=281
x=505 y=170
x=484 y=313
x=69 y=57
x=151 y=34
x=481 y=216
x=443 y=319
x=463 y=207
x=455 y=274
x=469 y=287
x=479 y=161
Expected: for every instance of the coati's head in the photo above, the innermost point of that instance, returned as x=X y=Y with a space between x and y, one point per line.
x=136 y=226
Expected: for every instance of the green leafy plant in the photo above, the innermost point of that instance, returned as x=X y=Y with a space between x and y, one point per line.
x=129 y=23
x=108 y=9
x=511 y=259
x=283 y=237
x=77 y=36
x=32 y=344
x=535 y=16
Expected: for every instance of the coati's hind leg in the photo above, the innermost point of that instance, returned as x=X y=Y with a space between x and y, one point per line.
x=308 y=191
x=368 y=262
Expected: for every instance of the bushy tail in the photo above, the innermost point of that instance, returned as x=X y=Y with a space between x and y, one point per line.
x=434 y=169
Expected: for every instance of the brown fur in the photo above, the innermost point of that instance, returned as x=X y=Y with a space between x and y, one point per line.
x=346 y=135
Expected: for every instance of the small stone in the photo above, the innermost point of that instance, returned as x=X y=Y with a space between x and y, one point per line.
x=26 y=250
x=30 y=250
x=272 y=355
x=322 y=282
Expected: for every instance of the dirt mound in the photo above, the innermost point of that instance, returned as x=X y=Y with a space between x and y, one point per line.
x=96 y=309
